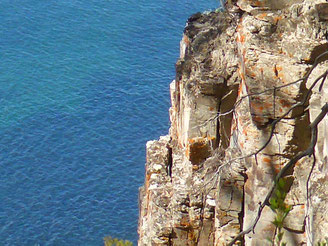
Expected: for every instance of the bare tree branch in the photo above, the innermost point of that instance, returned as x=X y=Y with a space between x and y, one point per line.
x=308 y=152
x=276 y=88
x=308 y=190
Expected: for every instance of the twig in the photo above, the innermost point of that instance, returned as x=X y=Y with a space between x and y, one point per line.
x=308 y=189
x=274 y=89
x=308 y=152
x=276 y=121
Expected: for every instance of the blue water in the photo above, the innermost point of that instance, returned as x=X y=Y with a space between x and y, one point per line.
x=83 y=86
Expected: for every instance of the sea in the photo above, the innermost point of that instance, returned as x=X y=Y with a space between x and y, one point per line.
x=84 y=84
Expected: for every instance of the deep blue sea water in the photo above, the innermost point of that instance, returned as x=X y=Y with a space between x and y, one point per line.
x=83 y=85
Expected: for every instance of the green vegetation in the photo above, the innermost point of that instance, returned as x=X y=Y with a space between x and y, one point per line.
x=281 y=209
x=109 y=241
x=323 y=243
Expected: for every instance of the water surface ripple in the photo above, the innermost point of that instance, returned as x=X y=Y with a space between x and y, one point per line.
x=83 y=86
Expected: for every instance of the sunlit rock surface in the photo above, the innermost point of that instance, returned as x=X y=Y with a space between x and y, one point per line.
x=206 y=179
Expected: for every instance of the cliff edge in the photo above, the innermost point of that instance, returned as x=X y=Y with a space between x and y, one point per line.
x=249 y=103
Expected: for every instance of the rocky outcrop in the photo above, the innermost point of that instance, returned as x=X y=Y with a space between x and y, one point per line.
x=240 y=73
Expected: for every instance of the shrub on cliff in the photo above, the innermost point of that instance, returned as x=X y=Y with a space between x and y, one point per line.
x=109 y=241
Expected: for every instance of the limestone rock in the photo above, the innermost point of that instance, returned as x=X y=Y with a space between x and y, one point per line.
x=239 y=72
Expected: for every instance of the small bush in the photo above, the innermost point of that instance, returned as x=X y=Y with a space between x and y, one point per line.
x=109 y=241
x=281 y=209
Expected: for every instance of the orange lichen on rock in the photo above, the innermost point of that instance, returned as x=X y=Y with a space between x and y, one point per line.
x=277 y=168
x=244 y=131
x=187 y=152
x=276 y=19
x=211 y=138
x=266 y=160
x=240 y=89
x=242 y=75
x=257 y=107
x=198 y=150
x=279 y=69
x=261 y=16
x=284 y=103
x=242 y=38
x=191 y=140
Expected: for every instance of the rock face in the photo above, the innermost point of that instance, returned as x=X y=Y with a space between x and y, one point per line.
x=234 y=126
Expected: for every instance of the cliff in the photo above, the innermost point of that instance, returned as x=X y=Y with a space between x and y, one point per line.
x=248 y=103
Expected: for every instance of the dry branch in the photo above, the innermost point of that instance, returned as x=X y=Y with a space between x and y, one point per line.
x=308 y=152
